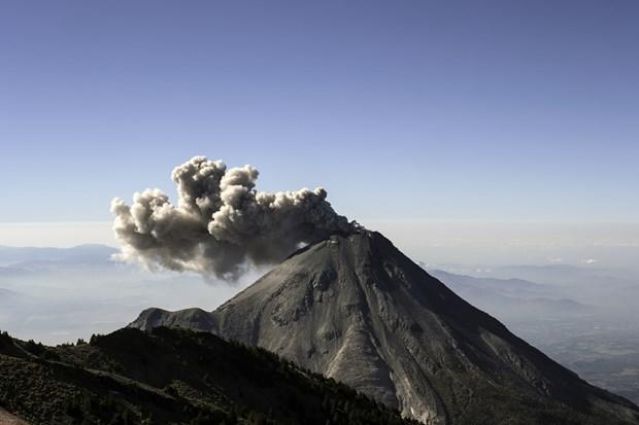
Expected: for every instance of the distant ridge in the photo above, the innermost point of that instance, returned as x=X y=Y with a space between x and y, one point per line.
x=87 y=252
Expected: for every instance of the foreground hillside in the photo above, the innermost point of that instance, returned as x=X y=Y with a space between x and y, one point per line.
x=171 y=377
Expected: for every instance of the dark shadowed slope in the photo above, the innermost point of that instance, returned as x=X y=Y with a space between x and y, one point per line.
x=170 y=376
x=356 y=309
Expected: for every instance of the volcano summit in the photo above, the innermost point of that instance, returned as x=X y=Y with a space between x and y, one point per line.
x=356 y=309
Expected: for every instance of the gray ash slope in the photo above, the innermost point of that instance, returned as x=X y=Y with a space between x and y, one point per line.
x=356 y=309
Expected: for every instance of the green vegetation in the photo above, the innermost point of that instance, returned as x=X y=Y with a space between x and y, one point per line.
x=171 y=376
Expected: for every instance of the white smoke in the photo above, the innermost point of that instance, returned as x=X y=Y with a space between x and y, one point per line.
x=221 y=222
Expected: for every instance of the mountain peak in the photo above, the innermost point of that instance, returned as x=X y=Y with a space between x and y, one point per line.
x=354 y=308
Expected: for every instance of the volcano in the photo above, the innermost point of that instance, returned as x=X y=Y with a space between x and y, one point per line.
x=354 y=308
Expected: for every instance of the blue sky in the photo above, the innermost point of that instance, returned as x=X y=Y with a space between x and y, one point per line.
x=404 y=110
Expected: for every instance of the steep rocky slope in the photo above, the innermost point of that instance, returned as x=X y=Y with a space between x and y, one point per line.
x=356 y=309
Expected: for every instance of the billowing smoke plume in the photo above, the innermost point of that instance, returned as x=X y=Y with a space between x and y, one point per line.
x=221 y=222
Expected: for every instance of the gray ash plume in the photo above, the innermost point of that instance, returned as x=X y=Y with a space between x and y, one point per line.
x=221 y=222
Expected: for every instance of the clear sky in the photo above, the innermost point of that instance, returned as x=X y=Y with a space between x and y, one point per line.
x=403 y=110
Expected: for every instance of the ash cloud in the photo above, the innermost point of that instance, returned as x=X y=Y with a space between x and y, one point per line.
x=221 y=222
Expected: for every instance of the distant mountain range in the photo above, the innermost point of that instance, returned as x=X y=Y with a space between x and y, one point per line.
x=559 y=274
x=6 y=294
x=512 y=299
x=77 y=254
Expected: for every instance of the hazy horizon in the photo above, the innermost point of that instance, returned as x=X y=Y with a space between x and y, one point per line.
x=434 y=242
